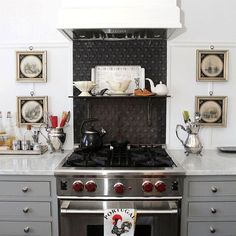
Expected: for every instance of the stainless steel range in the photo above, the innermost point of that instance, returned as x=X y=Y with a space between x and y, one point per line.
x=143 y=177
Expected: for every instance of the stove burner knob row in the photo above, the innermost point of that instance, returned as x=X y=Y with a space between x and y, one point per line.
x=160 y=186
x=91 y=186
x=119 y=187
x=78 y=186
x=147 y=186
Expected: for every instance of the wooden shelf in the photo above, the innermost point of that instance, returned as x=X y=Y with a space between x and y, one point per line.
x=118 y=97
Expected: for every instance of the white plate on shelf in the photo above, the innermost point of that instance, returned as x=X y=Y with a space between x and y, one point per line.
x=119 y=94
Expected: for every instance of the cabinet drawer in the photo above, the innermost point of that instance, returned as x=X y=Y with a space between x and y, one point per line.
x=25 y=209
x=214 y=209
x=25 y=228
x=212 y=228
x=210 y=189
x=24 y=189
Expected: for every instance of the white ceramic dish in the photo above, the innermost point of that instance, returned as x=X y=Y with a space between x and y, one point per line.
x=84 y=86
x=119 y=94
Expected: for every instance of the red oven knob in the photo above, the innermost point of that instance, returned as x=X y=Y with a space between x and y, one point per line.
x=147 y=186
x=78 y=186
x=91 y=186
x=119 y=188
x=160 y=186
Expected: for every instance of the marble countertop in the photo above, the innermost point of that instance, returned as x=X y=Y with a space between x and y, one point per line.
x=30 y=164
x=212 y=162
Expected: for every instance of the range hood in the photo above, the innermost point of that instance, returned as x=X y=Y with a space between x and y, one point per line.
x=109 y=19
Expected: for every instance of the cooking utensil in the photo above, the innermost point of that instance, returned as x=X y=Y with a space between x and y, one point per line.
x=65 y=118
x=54 y=121
x=91 y=138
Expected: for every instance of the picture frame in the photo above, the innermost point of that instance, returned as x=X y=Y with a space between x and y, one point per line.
x=31 y=66
x=212 y=65
x=213 y=110
x=32 y=110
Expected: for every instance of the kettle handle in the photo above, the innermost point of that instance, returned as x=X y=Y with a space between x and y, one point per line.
x=85 y=122
x=176 y=131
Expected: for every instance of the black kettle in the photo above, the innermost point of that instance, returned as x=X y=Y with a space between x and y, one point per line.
x=91 y=138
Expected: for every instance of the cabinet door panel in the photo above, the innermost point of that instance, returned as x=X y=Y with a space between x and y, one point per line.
x=212 y=189
x=24 y=189
x=212 y=228
x=212 y=209
x=25 y=209
x=25 y=228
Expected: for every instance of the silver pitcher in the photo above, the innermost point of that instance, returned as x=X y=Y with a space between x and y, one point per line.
x=192 y=144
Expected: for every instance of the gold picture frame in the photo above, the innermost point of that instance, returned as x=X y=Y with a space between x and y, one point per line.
x=31 y=66
x=213 y=110
x=32 y=110
x=212 y=65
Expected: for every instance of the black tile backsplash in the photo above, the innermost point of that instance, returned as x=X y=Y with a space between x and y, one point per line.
x=123 y=118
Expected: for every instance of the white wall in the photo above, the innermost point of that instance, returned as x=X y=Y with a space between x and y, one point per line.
x=206 y=22
x=33 y=23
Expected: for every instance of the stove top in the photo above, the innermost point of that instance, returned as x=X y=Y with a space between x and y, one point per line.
x=131 y=156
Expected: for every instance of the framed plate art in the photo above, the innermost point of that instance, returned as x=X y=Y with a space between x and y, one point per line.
x=212 y=65
x=31 y=66
x=213 y=110
x=32 y=110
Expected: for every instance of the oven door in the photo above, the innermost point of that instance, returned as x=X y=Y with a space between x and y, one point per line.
x=85 y=218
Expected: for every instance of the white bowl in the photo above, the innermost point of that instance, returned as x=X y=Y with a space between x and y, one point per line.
x=84 y=86
x=119 y=86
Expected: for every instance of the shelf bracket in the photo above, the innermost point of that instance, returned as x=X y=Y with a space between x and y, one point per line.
x=149 y=112
x=88 y=108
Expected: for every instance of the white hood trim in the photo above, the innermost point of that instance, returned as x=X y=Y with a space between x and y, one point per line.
x=122 y=17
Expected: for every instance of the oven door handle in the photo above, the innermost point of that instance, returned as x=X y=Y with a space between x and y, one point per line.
x=171 y=209
x=142 y=212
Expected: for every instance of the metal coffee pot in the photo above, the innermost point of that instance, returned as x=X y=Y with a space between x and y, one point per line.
x=91 y=138
x=192 y=143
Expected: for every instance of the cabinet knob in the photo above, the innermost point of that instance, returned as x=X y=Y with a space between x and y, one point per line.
x=214 y=189
x=213 y=210
x=212 y=230
x=26 y=209
x=25 y=189
x=27 y=229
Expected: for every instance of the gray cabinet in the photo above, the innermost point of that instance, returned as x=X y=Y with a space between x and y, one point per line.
x=209 y=206
x=24 y=189
x=28 y=206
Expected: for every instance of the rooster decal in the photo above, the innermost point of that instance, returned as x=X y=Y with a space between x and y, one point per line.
x=124 y=227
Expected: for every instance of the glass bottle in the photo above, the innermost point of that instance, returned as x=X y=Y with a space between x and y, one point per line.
x=28 y=137
x=2 y=130
x=10 y=128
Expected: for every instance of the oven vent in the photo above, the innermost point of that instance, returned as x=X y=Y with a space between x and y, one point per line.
x=117 y=34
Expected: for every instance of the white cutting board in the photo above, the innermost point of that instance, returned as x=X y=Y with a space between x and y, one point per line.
x=101 y=74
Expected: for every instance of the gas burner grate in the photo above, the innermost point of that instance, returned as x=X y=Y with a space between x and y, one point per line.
x=121 y=156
